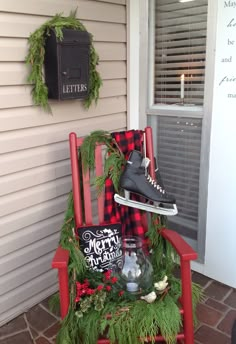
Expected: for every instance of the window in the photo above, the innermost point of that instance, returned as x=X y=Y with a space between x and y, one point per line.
x=178 y=50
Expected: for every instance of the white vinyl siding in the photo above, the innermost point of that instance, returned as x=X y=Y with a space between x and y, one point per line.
x=34 y=153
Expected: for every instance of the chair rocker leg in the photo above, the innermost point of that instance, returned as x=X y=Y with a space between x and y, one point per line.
x=187 y=302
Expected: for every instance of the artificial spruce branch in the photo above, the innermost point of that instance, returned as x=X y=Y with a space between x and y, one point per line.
x=36 y=54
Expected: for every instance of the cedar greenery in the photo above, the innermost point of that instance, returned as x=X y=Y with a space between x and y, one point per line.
x=36 y=53
x=114 y=158
x=130 y=322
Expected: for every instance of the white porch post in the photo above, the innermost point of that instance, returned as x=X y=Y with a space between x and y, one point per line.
x=136 y=18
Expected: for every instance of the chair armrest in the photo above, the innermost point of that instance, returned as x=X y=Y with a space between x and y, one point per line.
x=183 y=249
x=61 y=258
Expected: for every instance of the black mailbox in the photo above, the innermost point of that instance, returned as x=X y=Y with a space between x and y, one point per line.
x=67 y=65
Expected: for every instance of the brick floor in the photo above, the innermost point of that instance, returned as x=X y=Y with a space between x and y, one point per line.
x=216 y=315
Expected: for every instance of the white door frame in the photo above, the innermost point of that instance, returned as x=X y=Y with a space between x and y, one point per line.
x=137 y=29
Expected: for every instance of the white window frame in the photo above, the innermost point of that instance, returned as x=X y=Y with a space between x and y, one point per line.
x=152 y=109
x=146 y=107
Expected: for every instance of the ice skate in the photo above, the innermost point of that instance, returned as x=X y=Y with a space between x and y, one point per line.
x=158 y=176
x=135 y=179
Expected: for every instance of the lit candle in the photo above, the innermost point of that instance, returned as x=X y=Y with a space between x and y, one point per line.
x=182 y=86
x=132 y=286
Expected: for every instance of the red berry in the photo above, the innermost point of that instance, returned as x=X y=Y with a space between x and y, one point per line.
x=114 y=280
x=90 y=291
x=107 y=275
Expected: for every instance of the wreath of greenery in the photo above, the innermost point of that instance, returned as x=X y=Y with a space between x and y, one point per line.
x=130 y=320
x=36 y=53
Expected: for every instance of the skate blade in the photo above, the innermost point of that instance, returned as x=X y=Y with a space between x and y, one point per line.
x=147 y=207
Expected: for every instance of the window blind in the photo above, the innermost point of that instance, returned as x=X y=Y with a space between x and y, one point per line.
x=178 y=156
x=180 y=47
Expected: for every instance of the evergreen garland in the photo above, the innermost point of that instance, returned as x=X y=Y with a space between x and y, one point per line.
x=130 y=321
x=164 y=256
x=36 y=53
x=114 y=158
x=77 y=264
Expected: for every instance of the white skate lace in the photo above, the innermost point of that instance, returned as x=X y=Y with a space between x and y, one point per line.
x=155 y=184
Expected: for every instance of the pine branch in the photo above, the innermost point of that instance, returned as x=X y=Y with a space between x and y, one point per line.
x=69 y=242
x=114 y=158
x=54 y=302
x=87 y=149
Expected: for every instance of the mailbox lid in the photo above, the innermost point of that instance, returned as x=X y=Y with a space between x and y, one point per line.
x=69 y=36
x=74 y=56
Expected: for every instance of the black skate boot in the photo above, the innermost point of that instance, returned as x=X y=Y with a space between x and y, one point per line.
x=135 y=179
x=158 y=176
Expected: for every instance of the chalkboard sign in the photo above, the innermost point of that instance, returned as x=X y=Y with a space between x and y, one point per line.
x=101 y=245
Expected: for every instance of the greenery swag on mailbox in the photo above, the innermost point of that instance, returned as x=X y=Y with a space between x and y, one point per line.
x=65 y=48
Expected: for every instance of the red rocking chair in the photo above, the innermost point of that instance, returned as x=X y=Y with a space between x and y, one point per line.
x=61 y=258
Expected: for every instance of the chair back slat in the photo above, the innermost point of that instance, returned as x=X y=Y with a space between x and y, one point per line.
x=87 y=198
x=150 y=151
x=99 y=172
x=74 y=144
x=82 y=193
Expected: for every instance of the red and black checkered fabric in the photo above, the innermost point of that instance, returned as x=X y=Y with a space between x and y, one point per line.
x=130 y=218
